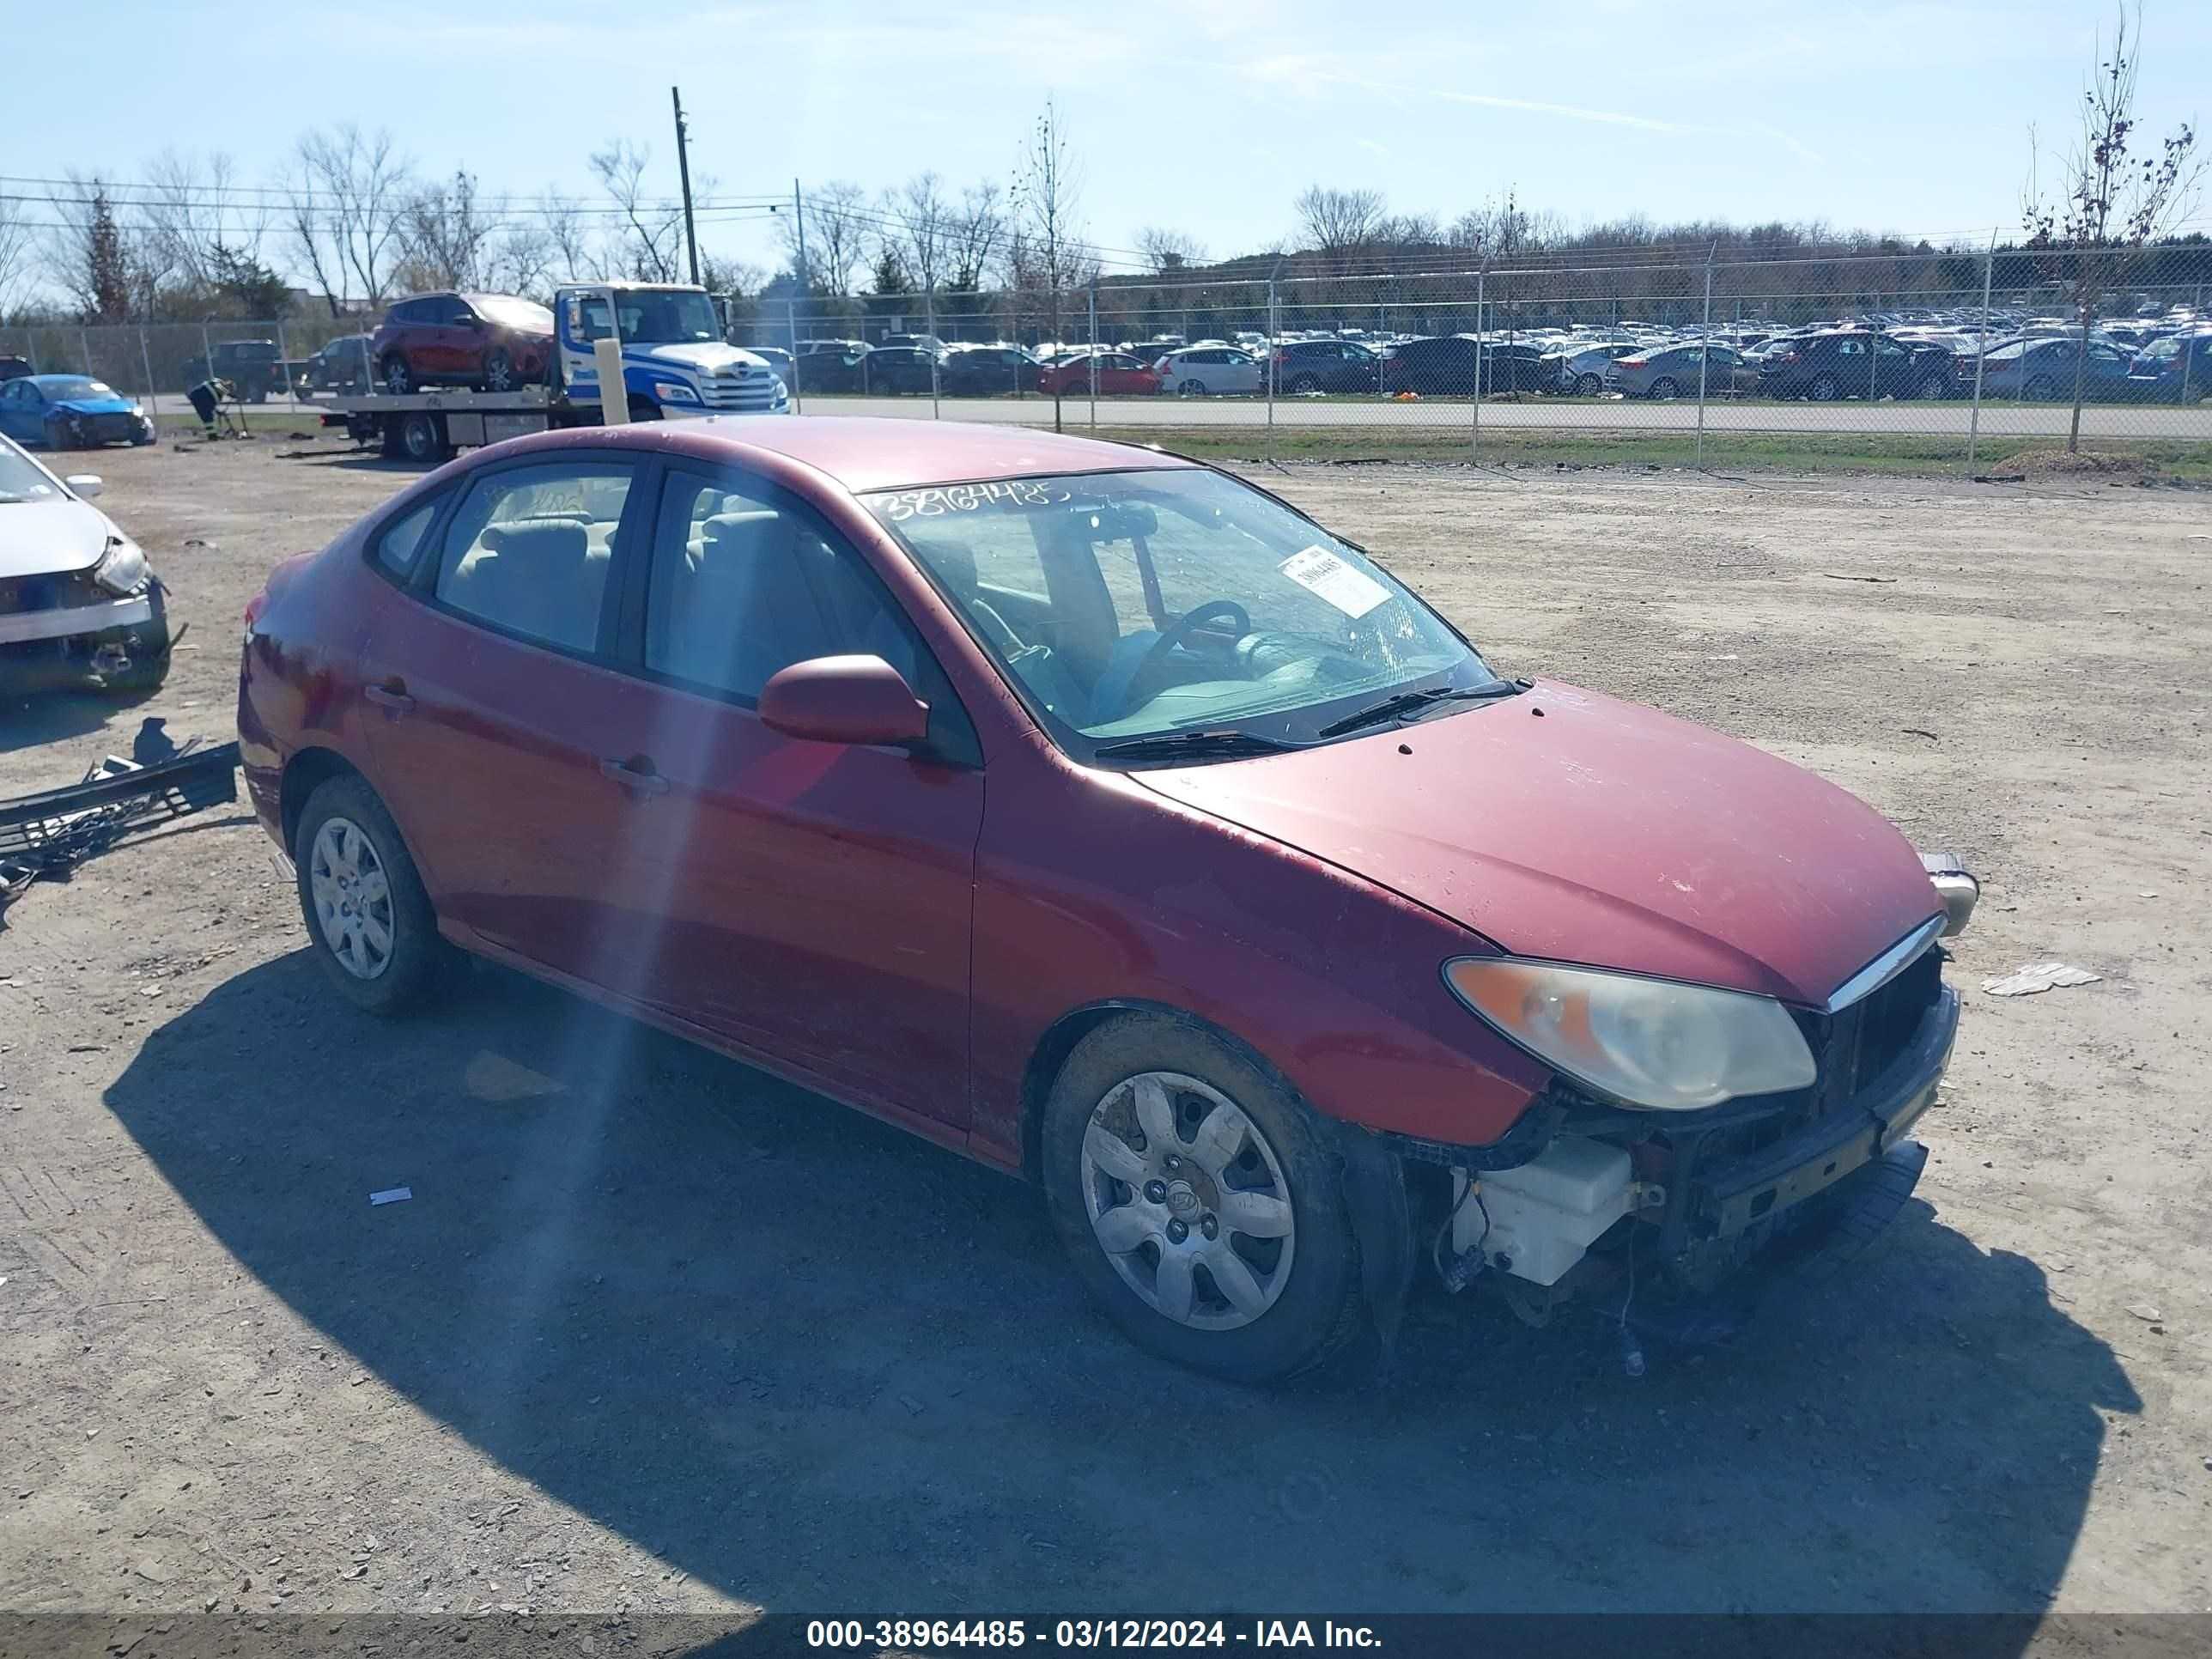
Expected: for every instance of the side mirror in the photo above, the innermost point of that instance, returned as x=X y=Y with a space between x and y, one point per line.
x=849 y=700
x=84 y=485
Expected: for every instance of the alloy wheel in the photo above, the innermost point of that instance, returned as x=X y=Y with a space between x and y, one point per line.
x=1187 y=1200
x=352 y=898
x=499 y=372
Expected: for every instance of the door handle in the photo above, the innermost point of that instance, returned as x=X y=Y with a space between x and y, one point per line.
x=392 y=695
x=636 y=773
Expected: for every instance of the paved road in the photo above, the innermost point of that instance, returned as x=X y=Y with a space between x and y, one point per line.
x=1939 y=419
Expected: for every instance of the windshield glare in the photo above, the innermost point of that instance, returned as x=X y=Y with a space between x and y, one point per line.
x=21 y=480
x=59 y=391
x=527 y=314
x=655 y=319
x=1128 y=604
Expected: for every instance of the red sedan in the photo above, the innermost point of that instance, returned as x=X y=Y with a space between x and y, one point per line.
x=1120 y=374
x=1100 y=815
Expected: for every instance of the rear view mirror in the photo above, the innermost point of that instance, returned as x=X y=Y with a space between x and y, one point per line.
x=850 y=700
x=1125 y=524
x=84 y=485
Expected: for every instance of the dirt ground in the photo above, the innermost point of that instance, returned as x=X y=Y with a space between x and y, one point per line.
x=655 y=1335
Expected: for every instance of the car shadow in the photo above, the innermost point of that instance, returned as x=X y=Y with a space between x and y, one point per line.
x=817 y=1363
x=60 y=709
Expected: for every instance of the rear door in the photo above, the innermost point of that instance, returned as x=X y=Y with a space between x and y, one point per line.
x=809 y=901
x=494 y=727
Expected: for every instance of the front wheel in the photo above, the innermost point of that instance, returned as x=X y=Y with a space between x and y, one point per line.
x=1200 y=1200
x=1664 y=390
x=1301 y=383
x=499 y=372
x=2042 y=390
x=1589 y=386
x=368 y=917
x=399 y=379
x=422 y=438
x=1824 y=390
x=1935 y=386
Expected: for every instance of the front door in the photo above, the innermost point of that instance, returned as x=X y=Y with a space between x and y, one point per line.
x=809 y=901
x=493 y=727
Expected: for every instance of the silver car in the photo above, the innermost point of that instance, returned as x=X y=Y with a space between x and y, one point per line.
x=1671 y=371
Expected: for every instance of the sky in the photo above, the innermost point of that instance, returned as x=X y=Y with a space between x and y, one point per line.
x=1205 y=118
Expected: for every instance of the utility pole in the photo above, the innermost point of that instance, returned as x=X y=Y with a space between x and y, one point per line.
x=684 y=171
x=799 y=223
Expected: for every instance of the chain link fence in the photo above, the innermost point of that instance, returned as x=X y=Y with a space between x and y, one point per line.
x=1935 y=356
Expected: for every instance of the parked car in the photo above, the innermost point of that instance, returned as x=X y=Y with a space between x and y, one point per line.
x=1674 y=372
x=928 y=342
x=1445 y=366
x=776 y=358
x=1202 y=371
x=1856 y=363
x=492 y=342
x=829 y=365
x=1580 y=368
x=898 y=368
x=1052 y=799
x=71 y=411
x=256 y=367
x=2041 y=370
x=2175 y=369
x=1120 y=375
x=14 y=368
x=986 y=370
x=76 y=594
x=342 y=365
x=1306 y=366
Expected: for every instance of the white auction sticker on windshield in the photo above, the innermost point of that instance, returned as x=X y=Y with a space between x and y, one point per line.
x=1320 y=571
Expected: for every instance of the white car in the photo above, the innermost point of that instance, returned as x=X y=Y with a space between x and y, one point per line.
x=76 y=595
x=1201 y=371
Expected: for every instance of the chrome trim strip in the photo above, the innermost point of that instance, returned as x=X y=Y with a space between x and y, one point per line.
x=1884 y=967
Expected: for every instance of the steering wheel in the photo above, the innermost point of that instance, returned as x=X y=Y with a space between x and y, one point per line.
x=1174 y=633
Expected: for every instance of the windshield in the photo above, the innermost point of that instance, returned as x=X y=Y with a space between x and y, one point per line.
x=655 y=318
x=1127 y=604
x=64 y=389
x=509 y=312
x=21 y=480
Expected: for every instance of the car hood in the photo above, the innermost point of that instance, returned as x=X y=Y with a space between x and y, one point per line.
x=41 y=538
x=704 y=357
x=1597 y=832
x=95 y=406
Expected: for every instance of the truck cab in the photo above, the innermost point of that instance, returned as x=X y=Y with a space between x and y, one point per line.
x=675 y=362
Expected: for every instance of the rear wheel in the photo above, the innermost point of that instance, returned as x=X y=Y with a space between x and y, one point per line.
x=1200 y=1200
x=1301 y=383
x=1664 y=389
x=1589 y=386
x=1192 y=388
x=368 y=916
x=2042 y=389
x=1935 y=386
x=499 y=371
x=1824 y=389
x=422 y=438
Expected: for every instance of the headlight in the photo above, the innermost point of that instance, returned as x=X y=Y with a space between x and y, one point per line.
x=122 y=569
x=1648 y=1043
x=670 y=392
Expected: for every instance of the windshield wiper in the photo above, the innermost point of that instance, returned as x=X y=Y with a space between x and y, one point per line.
x=1407 y=702
x=1181 y=744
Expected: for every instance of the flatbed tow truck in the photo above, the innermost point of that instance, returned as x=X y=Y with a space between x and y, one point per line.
x=664 y=339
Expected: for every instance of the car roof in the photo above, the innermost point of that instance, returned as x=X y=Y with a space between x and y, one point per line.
x=866 y=452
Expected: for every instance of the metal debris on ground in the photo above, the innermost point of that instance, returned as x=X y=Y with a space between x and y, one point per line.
x=47 y=835
x=2038 y=976
x=392 y=1195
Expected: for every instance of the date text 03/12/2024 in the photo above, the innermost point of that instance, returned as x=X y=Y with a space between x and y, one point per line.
x=1077 y=1634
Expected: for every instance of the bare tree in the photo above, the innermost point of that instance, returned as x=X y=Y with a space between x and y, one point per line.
x=1169 y=251
x=1334 y=222
x=653 y=228
x=839 y=231
x=1048 y=253
x=197 y=222
x=573 y=250
x=16 y=248
x=347 y=206
x=2113 y=201
x=96 y=259
x=448 y=240
x=974 y=231
x=915 y=226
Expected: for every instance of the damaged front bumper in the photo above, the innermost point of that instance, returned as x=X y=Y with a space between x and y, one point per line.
x=74 y=621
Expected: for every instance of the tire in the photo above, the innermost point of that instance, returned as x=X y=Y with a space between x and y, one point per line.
x=1301 y=384
x=1298 y=1291
x=499 y=371
x=1664 y=390
x=408 y=966
x=422 y=439
x=149 y=668
x=395 y=376
x=2041 y=390
x=1191 y=388
x=1590 y=386
x=1824 y=389
x=1933 y=387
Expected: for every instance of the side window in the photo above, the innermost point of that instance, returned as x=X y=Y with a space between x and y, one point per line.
x=402 y=539
x=1851 y=348
x=528 y=549
x=742 y=585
